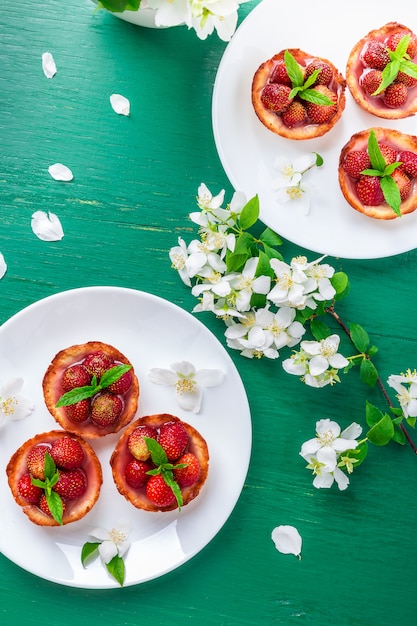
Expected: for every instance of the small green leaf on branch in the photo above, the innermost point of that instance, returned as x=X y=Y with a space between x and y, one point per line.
x=382 y=432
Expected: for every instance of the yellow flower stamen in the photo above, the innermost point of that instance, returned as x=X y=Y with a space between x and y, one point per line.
x=8 y=406
x=117 y=536
x=295 y=193
x=185 y=385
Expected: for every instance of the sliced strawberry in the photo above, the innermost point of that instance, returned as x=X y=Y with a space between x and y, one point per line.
x=189 y=475
x=159 y=493
x=72 y=484
x=67 y=453
x=80 y=411
x=75 y=376
x=106 y=409
x=174 y=439
x=355 y=162
x=136 y=443
x=369 y=190
x=135 y=473
x=28 y=490
x=97 y=363
x=36 y=460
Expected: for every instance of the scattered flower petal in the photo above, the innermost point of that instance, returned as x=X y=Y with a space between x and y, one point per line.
x=287 y=540
x=120 y=104
x=13 y=405
x=48 y=65
x=47 y=226
x=3 y=266
x=58 y=171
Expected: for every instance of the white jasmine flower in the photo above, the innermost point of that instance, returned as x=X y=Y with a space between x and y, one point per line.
x=206 y=200
x=406 y=387
x=178 y=256
x=48 y=65
x=290 y=184
x=120 y=104
x=289 y=286
x=113 y=542
x=317 y=286
x=13 y=405
x=200 y=254
x=47 y=226
x=3 y=266
x=218 y=284
x=58 y=171
x=324 y=354
x=245 y=284
x=187 y=381
x=171 y=13
x=287 y=540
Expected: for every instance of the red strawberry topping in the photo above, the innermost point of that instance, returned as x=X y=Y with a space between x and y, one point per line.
x=174 y=439
x=325 y=75
x=276 y=97
x=71 y=484
x=80 y=411
x=408 y=163
x=28 y=490
x=389 y=154
x=371 y=81
x=158 y=492
x=97 y=363
x=67 y=453
x=394 y=39
x=75 y=376
x=355 y=162
x=318 y=113
x=369 y=190
x=403 y=183
x=135 y=473
x=43 y=505
x=36 y=460
x=106 y=409
x=280 y=75
x=375 y=55
x=136 y=443
x=187 y=476
x=295 y=114
x=122 y=385
x=395 y=95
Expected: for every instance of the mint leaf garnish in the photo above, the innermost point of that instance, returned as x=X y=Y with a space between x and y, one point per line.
x=158 y=454
x=88 y=391
x=294 y=71
x=391 y=193
x=51 y=478
x=380 y=168
x=55 y=505
x=399 y=62
x=300 y=87
x=163 y=467
x=375 y=154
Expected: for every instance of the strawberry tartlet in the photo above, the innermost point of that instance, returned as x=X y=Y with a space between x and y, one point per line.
x=381 y=72
x=297 y=95
x=138 y=473
x=75 y=478
x=91 y=389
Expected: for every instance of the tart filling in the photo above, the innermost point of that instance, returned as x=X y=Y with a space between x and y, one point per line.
x=298 y=95
x=131 y=461
x=105 y=411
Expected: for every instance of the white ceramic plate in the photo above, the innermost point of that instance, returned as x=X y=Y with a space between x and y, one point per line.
x=151 y=332
x=247 y=150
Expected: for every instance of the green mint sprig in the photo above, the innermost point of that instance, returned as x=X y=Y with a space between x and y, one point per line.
x=53 y=500
x=163 y=467
x=115 y=567
x=118 y=6
x=300 y=87
x=399 y=62
x=88 y=391
x=380 y=168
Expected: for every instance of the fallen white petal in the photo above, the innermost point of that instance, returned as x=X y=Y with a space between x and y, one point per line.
x=47 y=226
x=48 y=65
x=287 y=540
x=120 y=104
x=58 y=171
x=3 y=266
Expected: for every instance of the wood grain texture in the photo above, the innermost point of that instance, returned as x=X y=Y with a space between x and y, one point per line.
x=135 y=180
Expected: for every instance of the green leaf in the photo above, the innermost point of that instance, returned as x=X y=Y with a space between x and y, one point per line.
x=264 y=267
x=359 y=336
x=158 y=454
x=372 y=350
x=118 y=6
x=319 y=329
x=271 y=253
x=294 y=71
x=55 y=505
x=319 y=159
x=340 y=282
x=398 y=436
x=372 y=414
x=382 y=432
x=409 y=68
x=78 y=394
x=235 y=262
x=389 y=74
x=49 y=467
x=368 y=372
x=113 y=374
x=116 y=568
x=89 y=551
x=250 y=213
x=375 y=154
x=391 y=193
x=315 y=97
x=169 y=480
x=411 y=421
x=270 y=238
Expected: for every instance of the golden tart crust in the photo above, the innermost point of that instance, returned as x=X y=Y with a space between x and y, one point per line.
x=52 y=389
x=359 y=141
x=354 y=69
x=273 y=121
x=121 y=456
x=75 y=509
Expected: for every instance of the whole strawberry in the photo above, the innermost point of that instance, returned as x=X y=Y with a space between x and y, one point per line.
x=67 y=453
x=106 y=409
x=369 y=191
x=409 y=81
x=97 y=363
x=72 y=484
x=403 y=183
x=395 y=38
x=136 y=443
x=355 y=162
x=389 y=154
x=80 y=411
x=27 y=490
x=173 y=438
x=318 y=113
x=325 y=75
x=189 y=475
x=280 y=75
x=122 y=385
x=371 y=81
x=276 y=97
x=375 y=55
x=135 y=473
x=36 y=460
x=159 y=493
x=395 y=95
x=75 y=376
x=294 y=114
x=408 y=161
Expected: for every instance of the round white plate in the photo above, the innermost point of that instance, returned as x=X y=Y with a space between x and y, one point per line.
x=247 y=150
x=151 y=332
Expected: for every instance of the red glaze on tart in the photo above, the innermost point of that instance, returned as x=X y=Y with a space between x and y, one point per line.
x=297 y=118
x=366 y=63
x=365 y=195
x=130 y=461
x=80 y=476
x=107 y=411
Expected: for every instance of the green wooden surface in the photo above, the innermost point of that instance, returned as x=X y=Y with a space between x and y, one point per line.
x=135 y=183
